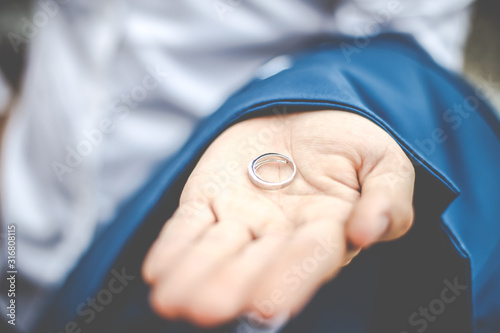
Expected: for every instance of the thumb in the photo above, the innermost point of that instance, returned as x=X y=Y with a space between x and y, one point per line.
x=385 y=209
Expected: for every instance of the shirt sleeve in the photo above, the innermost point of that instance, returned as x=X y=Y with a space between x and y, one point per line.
x=440 y=27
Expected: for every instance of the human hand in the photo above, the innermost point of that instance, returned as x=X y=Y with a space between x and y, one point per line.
x=233 y=248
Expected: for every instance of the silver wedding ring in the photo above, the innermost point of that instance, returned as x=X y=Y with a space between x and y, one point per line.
x=254 y=166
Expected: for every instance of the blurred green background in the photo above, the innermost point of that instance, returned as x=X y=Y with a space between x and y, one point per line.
x=482 y=53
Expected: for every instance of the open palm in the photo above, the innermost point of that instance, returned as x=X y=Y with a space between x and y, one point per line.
x=233 y=248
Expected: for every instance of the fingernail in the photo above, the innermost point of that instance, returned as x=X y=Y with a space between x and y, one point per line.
x=266 y=325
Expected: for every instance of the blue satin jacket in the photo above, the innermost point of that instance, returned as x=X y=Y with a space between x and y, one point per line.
x=443 y=276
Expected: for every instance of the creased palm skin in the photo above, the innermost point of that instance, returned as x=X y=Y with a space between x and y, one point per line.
x=232 y=248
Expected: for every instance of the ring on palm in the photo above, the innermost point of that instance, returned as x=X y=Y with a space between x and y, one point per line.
x=270 y=158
